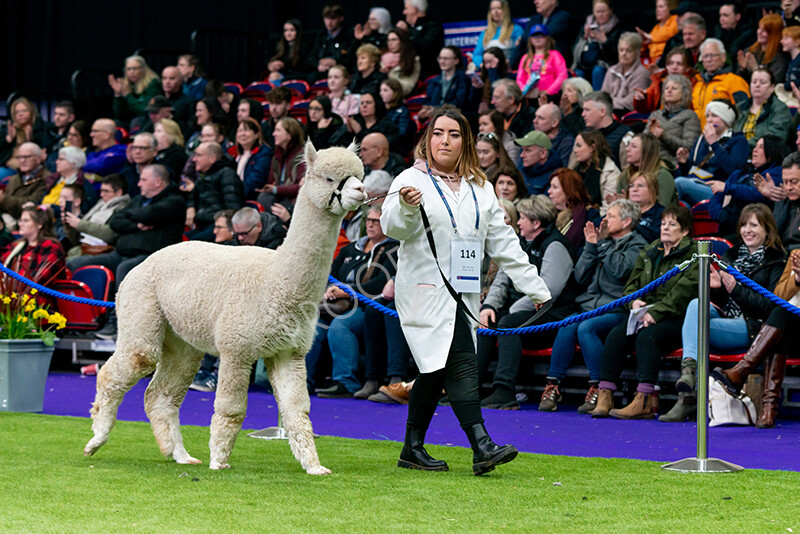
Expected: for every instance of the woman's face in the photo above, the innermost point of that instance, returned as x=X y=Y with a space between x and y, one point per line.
x=672 y=93
x=485 y=124
x=526 y=227
x=28 y=229
x=487 y=155
x=281 y=136
x=760 y=86
x=583 y=150
x=490 y=60
x=662 y=10
x=336 y=81
x=201 y=113
x=719 y=125
x=393 y=42
x=315 y=111
x=289 y=32
x=496 y=12
x=505 y=187
x=209 y=135
x=538 y=41
x=753 y=234
x=671 y=231
x=762 y=36
x=74 y=137
x=245 y=136
x=446 y=144
x=364 y=64
x=161 y=137
x=759 y=156
x=627 y=55
x=676 y=64
x=386 y=93
x=22 y=114
x=788 y=44
x=601 y=12
x=373 y=23
x=133 y=71
x=634 y=151
x=373 y=224
x=570 y=92
x=64 y=167
x=638 y=192
x=367 y=106
x=557 y=195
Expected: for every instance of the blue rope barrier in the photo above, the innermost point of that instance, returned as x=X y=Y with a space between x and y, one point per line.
x=53 y=293
x=772 y=297
x=540 y=327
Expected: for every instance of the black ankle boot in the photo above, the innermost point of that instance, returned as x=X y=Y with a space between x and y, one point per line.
x=485 y=453
x=414 y=455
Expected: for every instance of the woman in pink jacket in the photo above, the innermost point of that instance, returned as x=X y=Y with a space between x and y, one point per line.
x=542 y=67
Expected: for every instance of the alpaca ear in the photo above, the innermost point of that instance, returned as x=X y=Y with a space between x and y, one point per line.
x=353 y=147
x=311 y=154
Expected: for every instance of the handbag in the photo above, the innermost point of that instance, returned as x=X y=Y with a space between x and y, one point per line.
x=94 y=250
x=725 y=409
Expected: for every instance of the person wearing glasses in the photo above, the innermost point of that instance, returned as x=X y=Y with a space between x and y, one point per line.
x=322 y=123
x=141 y=152
x=108 y=156
x=27 y=186
x=718 y=81
x=451 y=86
x=366 y=265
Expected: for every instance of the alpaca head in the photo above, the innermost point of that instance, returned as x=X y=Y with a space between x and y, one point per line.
x=333 y=178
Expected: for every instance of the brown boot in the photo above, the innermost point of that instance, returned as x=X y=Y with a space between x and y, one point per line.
x=734 y=378
x=605 y=402
x=641 y=407
x=774 y=369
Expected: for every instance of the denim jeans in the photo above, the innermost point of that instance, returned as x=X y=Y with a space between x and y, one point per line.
x=589 y=334
x=692 y=192
x=344 y=336
x=723 y=333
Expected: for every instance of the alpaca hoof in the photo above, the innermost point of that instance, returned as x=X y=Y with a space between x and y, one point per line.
x=319 y=470
x=217 y=465
x=188 y=460
x=92 y=446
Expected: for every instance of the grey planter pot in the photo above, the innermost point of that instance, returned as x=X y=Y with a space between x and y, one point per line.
x=23 y=373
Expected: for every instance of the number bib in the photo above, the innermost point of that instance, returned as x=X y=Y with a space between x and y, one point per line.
x=465 y=265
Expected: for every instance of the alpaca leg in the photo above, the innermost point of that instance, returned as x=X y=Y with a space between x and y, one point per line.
x=115 y=378
x=288 y=376
x=230 y=407
x=164 y=396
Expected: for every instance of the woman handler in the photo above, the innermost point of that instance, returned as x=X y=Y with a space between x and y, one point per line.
x=446 y=184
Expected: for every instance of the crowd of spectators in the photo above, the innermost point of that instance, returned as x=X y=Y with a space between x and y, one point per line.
x=600 y=138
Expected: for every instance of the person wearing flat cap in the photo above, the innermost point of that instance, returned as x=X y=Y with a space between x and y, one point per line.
x=538 y=161
x=717 y=153
x=158 y=108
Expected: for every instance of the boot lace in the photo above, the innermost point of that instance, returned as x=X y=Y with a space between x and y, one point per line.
x=591 y=395
x=551 y=392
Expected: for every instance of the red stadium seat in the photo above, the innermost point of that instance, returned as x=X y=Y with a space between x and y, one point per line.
x=79 y=316
x=233 y=87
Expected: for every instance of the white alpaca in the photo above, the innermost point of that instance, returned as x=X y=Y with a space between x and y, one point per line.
x=241 y=303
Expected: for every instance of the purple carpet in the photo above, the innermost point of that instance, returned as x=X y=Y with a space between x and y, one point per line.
x=564 y=432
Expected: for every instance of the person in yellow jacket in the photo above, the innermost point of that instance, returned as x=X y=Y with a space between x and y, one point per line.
x=718 y=81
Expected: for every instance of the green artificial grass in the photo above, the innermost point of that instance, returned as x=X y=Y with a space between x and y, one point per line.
x=48 y=486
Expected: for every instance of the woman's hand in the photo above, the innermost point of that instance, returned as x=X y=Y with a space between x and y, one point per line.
x=714 y=281
x=118 y=85
x=710 y=134
x=768 y=188
x=638 y=303
x=276 y=65
x=333 y=293
x=655 y=128
x=12 y=132
x=388 y=290
x=639 y=93
x=488 y=316
x=411 y=195
x=728 y=281
x=646 y=37
x=352 y=125
x=682 y=155
x=543 y=98
x=741 y=59
x=599 y=35
x=70 y=219
x=795 y=259
x=717 y=186
x=359 y=32
x=647 y=320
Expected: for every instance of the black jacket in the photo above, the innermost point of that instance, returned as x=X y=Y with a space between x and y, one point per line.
x=341 y=48
x=218 y=189
x=353 y=266
x=165 y=212
x=427 y=37
x=370 y=84
x=174 y=159
x=272 y=232
x=755 y=308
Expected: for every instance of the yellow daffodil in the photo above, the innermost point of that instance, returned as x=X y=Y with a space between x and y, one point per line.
x=25 y=299
x=41 y=314
x=6 y=300
x=13 y=295
x=30 y=306
x=22 y=319
x=34 y=291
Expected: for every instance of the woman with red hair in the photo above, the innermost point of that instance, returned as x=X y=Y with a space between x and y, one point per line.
x=574 y=205
x=766 y=51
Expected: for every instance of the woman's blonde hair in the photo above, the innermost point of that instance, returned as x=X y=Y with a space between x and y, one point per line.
x=650 y=180
x=21 y=138
x=173 y=131
x=147 y=77
x=507 y=25
x=467 y=164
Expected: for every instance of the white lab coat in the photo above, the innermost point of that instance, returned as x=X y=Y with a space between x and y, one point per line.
x=426 y=309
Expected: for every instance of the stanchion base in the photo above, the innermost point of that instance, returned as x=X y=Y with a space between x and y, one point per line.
x=707 y=465
x=273 y=432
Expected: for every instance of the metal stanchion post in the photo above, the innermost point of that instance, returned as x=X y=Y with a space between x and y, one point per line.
x=702 y=463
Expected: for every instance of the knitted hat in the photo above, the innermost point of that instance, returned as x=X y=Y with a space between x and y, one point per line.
x=723 y=110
